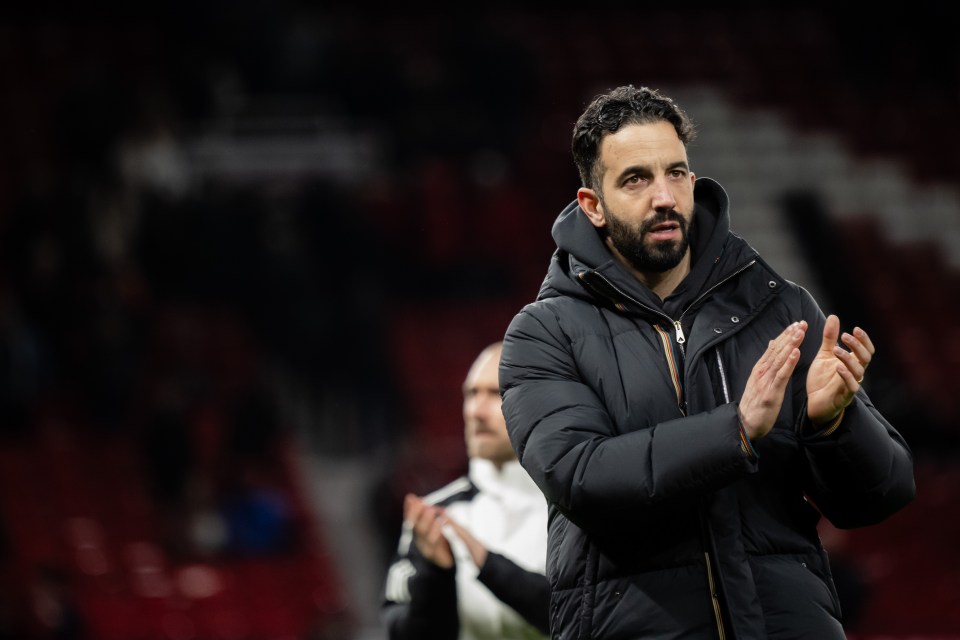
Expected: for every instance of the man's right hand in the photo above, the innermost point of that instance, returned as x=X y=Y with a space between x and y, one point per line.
x=427 y=521
x=763 y=395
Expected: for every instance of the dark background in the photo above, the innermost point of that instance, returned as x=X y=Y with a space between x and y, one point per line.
x=248 y=251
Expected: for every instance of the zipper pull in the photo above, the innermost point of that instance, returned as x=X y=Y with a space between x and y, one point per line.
x=680 y=337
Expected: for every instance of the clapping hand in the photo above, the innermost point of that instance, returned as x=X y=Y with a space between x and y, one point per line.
x=835 y=375
x=426 y=521
x=763 y=396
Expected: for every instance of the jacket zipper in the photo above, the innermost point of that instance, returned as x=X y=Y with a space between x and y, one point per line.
x=673 y=367
x=677 y=327
x=711 y=579
x=678 y=387
x=714 y=599
x=676 y=323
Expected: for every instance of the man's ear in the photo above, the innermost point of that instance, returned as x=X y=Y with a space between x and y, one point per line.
x=592 y=206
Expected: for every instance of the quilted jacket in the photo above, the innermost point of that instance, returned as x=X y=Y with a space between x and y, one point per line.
x=665 y=521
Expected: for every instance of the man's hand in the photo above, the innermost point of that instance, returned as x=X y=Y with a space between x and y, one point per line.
x=835 y=374
x=427 y=522
x=763 y=394
x=478 y=552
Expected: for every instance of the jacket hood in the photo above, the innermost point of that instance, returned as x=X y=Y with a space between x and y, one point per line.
x=582 y=264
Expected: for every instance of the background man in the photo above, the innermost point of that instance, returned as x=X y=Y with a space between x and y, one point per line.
x=471 y=558
x=664 y=394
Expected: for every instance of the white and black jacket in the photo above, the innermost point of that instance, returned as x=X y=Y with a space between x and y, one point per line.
x=509 y=598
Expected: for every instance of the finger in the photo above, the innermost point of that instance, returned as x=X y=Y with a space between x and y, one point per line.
x=787 y=339
x=853 y=365
x=425 y=519
x=861 y=335
x=800 y=331
x=434 y=534
x=419 y=524
x=793 y=334
x=858 y=348
x=786 y=369
x=849 y=381
x=430 y=512
x=411 y=508
x=831 y=332
x=793 y=331
x=777 y=360
x=776 y=352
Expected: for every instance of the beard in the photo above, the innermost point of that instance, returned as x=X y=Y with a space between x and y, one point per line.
x=652 y=257
x=494 y=446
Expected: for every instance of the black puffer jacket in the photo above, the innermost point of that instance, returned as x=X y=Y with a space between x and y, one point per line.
x=665 y=522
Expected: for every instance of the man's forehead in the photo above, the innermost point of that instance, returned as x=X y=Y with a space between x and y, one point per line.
x=631 y=140
x=485 y=371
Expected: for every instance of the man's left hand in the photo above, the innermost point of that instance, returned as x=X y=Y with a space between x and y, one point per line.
x=835 y=375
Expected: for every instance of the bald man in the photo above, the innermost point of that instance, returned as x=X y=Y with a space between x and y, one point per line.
x=472 y=555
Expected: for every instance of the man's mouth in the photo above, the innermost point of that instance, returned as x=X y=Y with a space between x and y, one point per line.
x=664 y=230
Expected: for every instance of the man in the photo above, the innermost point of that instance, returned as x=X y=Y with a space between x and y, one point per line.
x=471 y=558
x=687 y=412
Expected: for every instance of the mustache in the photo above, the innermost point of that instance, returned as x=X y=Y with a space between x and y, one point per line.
x=663 y=215
x=482 y=427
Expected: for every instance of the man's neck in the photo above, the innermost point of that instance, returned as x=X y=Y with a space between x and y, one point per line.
x=662 y=284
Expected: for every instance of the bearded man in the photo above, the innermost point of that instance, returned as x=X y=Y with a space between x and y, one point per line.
x=688 y=413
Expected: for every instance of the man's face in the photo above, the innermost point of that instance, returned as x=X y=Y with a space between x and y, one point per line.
x=485 y=427
x=647 y=195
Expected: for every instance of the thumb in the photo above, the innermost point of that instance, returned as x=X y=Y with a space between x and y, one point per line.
x=831 y=333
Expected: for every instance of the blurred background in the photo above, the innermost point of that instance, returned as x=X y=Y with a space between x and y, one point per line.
x=248 y=251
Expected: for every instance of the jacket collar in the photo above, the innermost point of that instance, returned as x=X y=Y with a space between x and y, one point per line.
x=509 y=483
x=583 y=267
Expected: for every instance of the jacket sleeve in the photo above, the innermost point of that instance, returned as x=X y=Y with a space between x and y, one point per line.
x=526 y=592
x=420 y=599
x=566 y=440
x=860 y=472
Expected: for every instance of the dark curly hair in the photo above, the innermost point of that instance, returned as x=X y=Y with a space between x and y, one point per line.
x=610 y=111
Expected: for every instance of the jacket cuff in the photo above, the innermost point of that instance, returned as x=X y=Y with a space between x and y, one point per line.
x=806 y=428
x=833 y=425
x=745 y=445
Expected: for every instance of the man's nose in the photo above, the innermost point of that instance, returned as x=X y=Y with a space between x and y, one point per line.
x=481 y=407
x=482 y=410
x=662 y=195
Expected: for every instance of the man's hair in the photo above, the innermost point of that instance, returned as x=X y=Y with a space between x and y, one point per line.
x=610 y=111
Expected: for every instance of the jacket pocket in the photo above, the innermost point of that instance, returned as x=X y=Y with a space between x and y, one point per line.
x=798 y=597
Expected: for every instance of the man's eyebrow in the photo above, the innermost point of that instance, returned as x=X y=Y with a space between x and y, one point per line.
x=632 y=170
x=645 y=170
